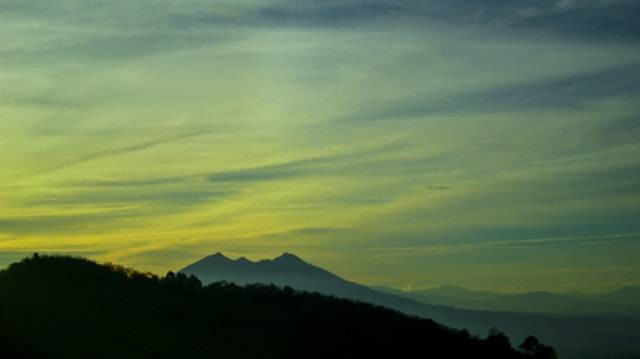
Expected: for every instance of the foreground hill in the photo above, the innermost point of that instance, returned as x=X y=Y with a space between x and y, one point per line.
x=62 y=307
x=574 y=336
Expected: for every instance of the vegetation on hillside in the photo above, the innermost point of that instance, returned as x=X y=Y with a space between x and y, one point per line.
x=66 y=307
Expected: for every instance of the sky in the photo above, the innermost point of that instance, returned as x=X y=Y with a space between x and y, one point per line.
x=491 y=144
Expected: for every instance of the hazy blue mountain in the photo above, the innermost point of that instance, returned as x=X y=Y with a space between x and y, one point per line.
x=286 y=269
x=620 y=301
x=448 y=291
x=627 y=296
x=574 y=336
x=290 y=270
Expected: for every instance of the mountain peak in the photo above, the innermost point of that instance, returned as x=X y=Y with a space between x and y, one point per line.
x=289 y=258
x=218 y=256
x=243 y=260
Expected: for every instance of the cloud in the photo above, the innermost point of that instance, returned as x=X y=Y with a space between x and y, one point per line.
x=302 y=233
x=590 y=20
x=265 y=173
x=563 y=91
x=585 y=20
x=534 y=95
x=131 y=183
x=440 y=187
x=314 y=166
x=177 y=198
x=310 y=13
x=77 y=223
x=437 y=249
x=122 y=151
x=600 y=240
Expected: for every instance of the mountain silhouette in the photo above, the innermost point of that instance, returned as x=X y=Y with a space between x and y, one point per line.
x=584 y=336
x=622 y=301
x=285 y=270
x=291 y=271
x=63 y=307
x=627 y=296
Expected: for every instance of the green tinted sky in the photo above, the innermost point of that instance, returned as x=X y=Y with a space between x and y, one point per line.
x=489 y=144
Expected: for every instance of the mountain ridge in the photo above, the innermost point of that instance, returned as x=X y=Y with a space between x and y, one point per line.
x=54 y=307
x=587 y=338
x=620 y=301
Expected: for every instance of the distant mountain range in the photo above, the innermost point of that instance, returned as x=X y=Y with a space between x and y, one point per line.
x=624 y=301
x=574 y=336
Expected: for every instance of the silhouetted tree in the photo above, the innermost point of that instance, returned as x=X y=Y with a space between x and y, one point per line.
x=532 y=345
x=182 y=279
x=529 y=344
x=498 y=340
x=194 y=284
x=288 y=289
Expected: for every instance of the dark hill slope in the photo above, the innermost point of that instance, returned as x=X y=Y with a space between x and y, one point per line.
x=573 y=336
x=61 y=307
